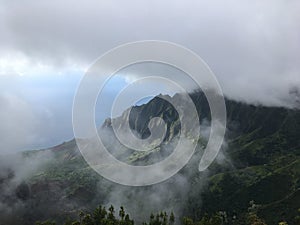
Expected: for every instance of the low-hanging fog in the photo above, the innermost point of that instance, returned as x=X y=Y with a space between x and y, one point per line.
x=252 y=47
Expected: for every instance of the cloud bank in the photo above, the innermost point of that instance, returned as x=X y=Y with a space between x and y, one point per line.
x=252 y=46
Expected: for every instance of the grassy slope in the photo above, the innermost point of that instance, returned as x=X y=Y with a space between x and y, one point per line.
x=263 y=146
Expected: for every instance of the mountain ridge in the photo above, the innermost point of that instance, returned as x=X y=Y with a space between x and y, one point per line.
x=260 y=162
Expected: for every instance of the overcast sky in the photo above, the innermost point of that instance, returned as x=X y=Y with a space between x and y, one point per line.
x=252 y=46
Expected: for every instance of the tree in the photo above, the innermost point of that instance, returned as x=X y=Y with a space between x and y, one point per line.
x=283 y=223
x=48 y=222
x=297 y=218
x=187 y=221
x=122 y=213
x=172 y=218
x=251 y=217
x=101 y=216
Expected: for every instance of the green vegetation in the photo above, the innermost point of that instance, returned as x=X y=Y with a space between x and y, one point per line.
x=101 y=216
x=261 y=162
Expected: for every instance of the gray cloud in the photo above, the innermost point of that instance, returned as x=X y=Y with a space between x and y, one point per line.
x=17 y=125
x=252 y=46
x=36 y=112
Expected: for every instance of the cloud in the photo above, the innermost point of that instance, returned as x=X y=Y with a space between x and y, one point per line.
x=36 y=111
x=17 y=123
x=252 y=46
x=15 y=173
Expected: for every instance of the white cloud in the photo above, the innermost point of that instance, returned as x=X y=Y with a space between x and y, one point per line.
x=252 y=46
x=17 y=123
x=244 y=42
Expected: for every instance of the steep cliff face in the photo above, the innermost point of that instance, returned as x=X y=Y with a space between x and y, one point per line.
x=139 y=117
x=243 y=118
x=255 y=133
x=262 y=157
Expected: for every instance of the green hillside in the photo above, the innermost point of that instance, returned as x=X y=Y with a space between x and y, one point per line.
x=260 y=162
